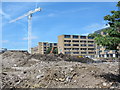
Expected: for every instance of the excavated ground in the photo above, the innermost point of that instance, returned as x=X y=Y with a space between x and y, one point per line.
x=23 y=70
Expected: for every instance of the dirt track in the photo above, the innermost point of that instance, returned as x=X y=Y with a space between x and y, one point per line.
x=21 y=69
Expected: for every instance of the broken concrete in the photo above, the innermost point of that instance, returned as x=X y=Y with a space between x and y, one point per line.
x=22 y=70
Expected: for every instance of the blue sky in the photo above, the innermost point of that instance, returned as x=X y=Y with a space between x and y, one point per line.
x=56 y=18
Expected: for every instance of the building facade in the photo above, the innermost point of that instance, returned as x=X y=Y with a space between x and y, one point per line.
x=76 y=45
x=42 y=47
x=34 y=50
x=102 y=52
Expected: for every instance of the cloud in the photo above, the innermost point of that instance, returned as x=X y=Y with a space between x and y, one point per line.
x=85 y=34
x=32 y=37
x=51 y=15
x=18 y=49
x=5 y=41
x=74 y=10
x=54 y=13
x=5 y=15
x=94 y=27
x=106 y=26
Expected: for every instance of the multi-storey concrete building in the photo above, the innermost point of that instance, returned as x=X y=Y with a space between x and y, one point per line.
x=34 y=50
x=102 y=52
x=76 y=45
x=42 y=47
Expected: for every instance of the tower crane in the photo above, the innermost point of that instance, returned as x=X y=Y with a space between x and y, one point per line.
x=29 y=14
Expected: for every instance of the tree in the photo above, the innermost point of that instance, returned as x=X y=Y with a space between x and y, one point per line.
x=55 y=51
x=112 y=39
x=48 y=50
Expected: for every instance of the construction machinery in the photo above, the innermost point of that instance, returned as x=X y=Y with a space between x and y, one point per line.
x=52 y=50
x=29 y=14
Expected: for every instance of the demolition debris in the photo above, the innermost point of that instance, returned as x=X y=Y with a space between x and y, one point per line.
x=23 y=70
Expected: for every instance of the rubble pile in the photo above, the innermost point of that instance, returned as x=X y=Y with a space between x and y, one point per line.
x=46 y=57
x=59 y=57
x=56 y=71
x=14 y=58
x=81 y=59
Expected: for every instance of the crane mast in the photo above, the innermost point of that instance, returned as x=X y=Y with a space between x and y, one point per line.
x=29 y=14
x=29 y=32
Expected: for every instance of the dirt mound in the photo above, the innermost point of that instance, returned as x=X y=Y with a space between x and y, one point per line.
x=19 y=58
x=60 y=74
x=24 y=70
x=77 y=59
x=46 y=57
x=59 y=57
x=14 y=58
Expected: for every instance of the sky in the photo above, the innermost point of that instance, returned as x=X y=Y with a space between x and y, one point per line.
x=56 y=18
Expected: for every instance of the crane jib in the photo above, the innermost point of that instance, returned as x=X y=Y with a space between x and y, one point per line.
x=29 y=14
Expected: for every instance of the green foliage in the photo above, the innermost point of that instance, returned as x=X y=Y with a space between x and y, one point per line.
x=112 y=39
x=113 y=20
x=55 y=51
x=118 y=5
x=111 y=32
x=110 y=42
x=94 y=35
x=48 y=50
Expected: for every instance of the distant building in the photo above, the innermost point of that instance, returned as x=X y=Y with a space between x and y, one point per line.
x=76 y=45
x=34 y=50
x=3 y=50
x=42 y=47
x=101 y=51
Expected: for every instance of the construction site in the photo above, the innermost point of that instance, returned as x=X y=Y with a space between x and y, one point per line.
x=38 y=69
x=23 y=70
x=73 y=61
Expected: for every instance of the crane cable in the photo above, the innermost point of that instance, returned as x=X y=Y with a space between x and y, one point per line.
x=36 y=4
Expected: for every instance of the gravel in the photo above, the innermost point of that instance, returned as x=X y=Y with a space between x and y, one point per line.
x=23 y=70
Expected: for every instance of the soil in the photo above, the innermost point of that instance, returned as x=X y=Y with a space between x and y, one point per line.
x=23 y=70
